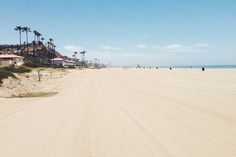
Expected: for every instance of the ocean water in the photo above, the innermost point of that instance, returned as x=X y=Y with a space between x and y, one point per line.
x=207 y=66
x=219 y=66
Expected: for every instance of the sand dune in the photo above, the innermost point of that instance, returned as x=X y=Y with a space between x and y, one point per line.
x=126 y=113
x=28 y=83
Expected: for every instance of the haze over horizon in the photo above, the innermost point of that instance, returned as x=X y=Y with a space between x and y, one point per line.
x=129 y=32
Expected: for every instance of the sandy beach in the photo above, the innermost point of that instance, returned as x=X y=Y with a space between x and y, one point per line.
x=125 y=113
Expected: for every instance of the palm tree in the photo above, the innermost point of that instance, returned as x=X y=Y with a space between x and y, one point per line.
x=38 y=36
x=42 y=39
x=26 y=30
x=38 y=42
x=35 y=41
x=54 y=51
x=75 y=55
x=43 y=50
x=34 y=45
x=35 y=35
x=19 y=28
x=50 y=42
x=54 y=47
x=82 y=57
x=96 y=63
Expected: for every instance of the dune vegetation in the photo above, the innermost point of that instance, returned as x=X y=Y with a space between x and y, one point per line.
x=6 y=72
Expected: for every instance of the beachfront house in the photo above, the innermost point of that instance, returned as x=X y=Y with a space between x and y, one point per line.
x=62 y=62
x=7 y=60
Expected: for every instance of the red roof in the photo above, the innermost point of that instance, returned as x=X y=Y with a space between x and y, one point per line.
x=61 y=59
x=58 y=59
x=10 y=56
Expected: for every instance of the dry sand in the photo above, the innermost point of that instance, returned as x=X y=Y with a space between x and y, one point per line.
x=126 y=113
x=28 y=83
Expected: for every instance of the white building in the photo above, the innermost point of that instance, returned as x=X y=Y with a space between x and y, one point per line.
x=6 y=60
x=63 y=62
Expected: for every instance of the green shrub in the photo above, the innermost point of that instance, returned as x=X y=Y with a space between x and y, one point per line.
x=5 y=74
x=24 y=69
x=36 y=65
x=20 y=69
x=56 y=66
x=71 y=67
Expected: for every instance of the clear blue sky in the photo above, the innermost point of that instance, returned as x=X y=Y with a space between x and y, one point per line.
x=130 y=32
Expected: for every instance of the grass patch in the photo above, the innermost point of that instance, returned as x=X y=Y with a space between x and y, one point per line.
x=5 y=74
x=20 y=69
x=36 y=65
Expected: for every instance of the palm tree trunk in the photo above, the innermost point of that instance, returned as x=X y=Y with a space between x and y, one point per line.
x=27 y=46
x=20 y=36
x=27 y=37
x=34 y=48
x=20 y=41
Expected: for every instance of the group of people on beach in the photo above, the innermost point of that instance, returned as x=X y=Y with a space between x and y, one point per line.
x=203 y=68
